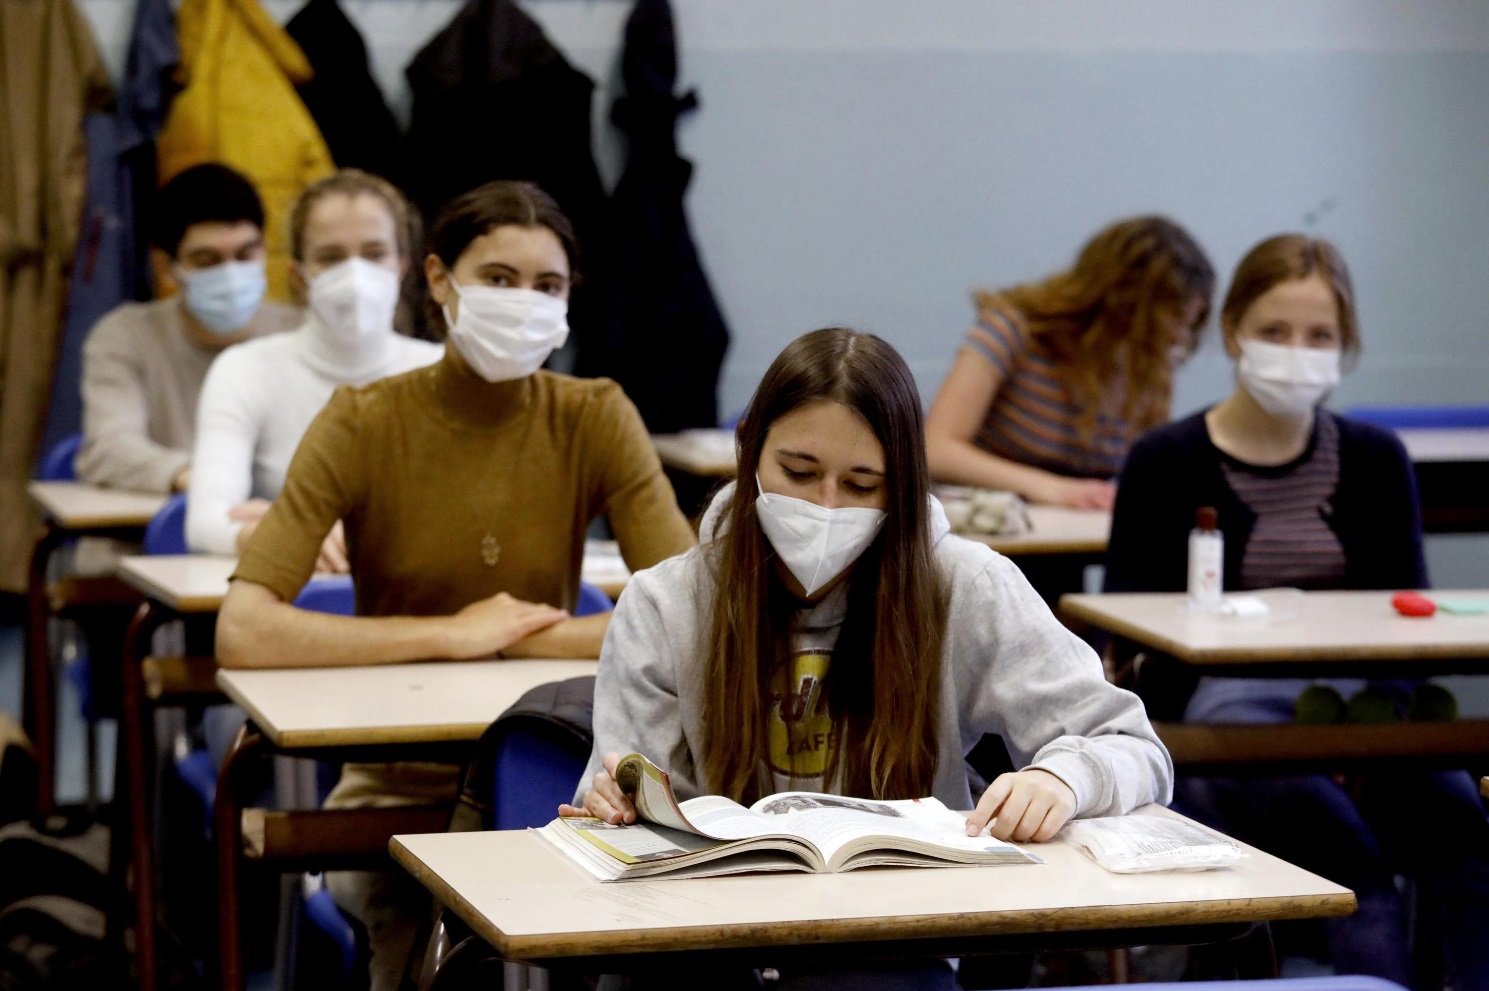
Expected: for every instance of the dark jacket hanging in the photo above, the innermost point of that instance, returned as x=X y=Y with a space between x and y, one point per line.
x=494 y=99
x=661 y=305
x=112 y=262
x=342 y=97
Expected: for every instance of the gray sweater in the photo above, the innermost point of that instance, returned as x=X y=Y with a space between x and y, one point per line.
x=1008 y=667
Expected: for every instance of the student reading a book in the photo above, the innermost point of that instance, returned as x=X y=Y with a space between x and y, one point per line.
x=349 y=236
x=1309 y=499
x=831 y=635
x=1058 y=377
x=465 y=489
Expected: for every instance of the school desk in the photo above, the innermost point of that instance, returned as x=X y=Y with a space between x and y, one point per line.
x=69 y=510
x=706 y=453
x=431 y=711
x=534 y=905
x=1055 y=530
x=1452 y=468
x=1314 y=634
x=189 y=587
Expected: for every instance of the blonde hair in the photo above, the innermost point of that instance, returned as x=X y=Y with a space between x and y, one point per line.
x=354 y=182
x=1107 y=317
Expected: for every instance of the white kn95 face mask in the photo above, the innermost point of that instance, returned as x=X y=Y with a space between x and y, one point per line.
x=815 y=543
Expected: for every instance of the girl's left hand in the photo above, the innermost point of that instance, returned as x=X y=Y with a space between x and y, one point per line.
x=1029 y=806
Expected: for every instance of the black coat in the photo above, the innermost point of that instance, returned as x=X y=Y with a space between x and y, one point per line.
x=666 y=335
x=342 y=97
x=493 y=99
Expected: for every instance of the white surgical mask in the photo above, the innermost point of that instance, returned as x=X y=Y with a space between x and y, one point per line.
x=815 y=543
x=1287 y=381
x=505 y=333
x=353 y=302
x=225 y=297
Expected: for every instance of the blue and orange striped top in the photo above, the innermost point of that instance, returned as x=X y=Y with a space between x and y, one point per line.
x=1033 y=419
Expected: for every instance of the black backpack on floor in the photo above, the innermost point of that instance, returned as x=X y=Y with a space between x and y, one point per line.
x=56 y=899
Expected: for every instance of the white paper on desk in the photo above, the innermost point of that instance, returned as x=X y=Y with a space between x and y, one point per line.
x=1138 y=844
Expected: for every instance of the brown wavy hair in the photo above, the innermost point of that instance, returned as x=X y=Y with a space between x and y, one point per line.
x=1107 y=318
x=883 y=690
x=1282 y=259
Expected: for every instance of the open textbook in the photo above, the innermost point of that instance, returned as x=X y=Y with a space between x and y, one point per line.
x=789 y=831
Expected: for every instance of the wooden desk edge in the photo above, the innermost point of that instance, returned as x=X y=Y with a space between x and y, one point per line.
x=551 y=946
x=1080 y=607
x=318 y=739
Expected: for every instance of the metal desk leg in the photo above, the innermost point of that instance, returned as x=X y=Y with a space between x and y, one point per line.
x=227 y=824
x=132 y=779
x=39 y=704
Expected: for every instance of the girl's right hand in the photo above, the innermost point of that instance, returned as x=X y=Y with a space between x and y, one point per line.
x=490 y=625
x=604 y=800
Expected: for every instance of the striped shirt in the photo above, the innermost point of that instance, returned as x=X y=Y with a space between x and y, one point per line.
x=1292 y=543
x=1033 y=419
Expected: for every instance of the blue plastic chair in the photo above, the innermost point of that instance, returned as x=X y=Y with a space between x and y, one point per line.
x=166 y=531
x=591 y=601
x=60 y=463
x=1422 y=417
x=332 y=594
x=533 y=772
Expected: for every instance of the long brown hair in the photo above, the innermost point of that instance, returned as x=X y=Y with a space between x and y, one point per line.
x=883 y=690
x=1284 y=258
x=1107 y=318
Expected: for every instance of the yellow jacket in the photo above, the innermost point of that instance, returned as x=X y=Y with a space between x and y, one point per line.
x=239 y=107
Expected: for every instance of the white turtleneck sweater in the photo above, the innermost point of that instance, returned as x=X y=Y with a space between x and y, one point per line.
x=256 y=403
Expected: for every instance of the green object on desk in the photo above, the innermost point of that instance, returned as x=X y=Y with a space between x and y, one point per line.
x=1463 y=607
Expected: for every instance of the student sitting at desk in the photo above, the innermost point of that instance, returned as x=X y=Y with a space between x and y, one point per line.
x=1308 y=499
x=465 y=489
x=1058 y=377
x=349 y=235
x=832 y=635
x=144 y=363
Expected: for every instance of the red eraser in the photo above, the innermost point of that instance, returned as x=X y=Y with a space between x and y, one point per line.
x=1413 y=604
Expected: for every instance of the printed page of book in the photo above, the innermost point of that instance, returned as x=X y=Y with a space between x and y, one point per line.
x=614 y=853
x=922 y=829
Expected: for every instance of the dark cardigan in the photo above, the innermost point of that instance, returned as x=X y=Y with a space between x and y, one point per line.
x=1174 y=470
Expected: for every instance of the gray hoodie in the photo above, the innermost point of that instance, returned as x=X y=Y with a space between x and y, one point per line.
x=1008 y=667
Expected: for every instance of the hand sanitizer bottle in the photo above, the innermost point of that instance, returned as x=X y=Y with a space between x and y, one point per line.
x=1206 y=560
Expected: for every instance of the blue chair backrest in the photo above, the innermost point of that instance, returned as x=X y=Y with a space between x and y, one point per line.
x=60 y=463
x=534 y=771
x=591 y=601
x=166 y=531
x=1421 y=417
x=329 y=594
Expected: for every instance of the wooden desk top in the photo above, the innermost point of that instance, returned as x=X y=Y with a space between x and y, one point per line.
x=193 y=583
x=1055 y=530
x=75 y=506
x=1446 y=443
x=438 y=702
x=530 y=902
x=709 y=453
x=604 y=567
x=187 y=583
x=1317 y=626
